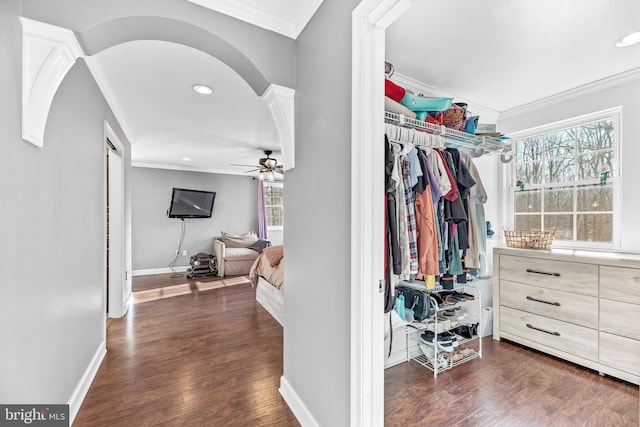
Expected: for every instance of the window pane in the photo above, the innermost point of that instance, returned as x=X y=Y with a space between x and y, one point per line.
x=529 y=149
x=595 y=227
x=530 y=173
x=595 y=198
x=563 y=225
x=274 y=216
x=558 y=199
x=595 y=136
x=590 y=165
x=559 y=170
x=560 y=144
x=527 y=201
x=528 y=222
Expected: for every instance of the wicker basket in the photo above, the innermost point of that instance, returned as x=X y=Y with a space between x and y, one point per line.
x=529 y=239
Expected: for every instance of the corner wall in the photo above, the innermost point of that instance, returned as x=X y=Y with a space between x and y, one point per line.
x=318 y=237
x=52 y=238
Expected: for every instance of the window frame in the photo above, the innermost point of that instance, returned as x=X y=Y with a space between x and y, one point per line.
x=613 y=114
x=277 y=184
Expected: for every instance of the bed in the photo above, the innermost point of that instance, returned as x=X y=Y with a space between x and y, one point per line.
x=266 y=276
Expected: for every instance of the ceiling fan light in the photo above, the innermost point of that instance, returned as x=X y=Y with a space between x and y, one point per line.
x=629 y=39
x=270 y=163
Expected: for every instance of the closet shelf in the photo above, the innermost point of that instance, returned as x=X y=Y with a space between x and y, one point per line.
x=476 y=144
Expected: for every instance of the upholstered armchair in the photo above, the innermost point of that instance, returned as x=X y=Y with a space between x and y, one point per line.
x=234 y=254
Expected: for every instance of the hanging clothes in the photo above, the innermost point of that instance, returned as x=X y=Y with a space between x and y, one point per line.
x=426 y=233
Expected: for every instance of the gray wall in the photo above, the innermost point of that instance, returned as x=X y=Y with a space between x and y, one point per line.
x=317 y=235
x=52 y=317
x=156 y=237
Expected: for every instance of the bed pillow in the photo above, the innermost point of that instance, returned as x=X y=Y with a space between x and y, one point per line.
x=231 y=240
x=274 y=254
x=260 y=245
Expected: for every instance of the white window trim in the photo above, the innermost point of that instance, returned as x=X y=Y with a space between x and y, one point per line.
x=616 y=115
x=277 y=184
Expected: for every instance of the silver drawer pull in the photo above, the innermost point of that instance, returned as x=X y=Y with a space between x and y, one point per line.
x=557 y=304
x=543 y=272
x=557 y=334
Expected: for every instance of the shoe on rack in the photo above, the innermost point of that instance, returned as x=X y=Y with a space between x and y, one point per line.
x=444 y=342
x=456 y=356
x=452 y=337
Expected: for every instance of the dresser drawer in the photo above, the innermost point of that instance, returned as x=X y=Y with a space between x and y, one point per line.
x=620 y=318
x=561 y=275
x=620 y=284
x=578 y=309
x=566 y=337
x=620 y=353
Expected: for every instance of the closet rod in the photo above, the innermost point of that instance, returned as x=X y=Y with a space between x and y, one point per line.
x=477 y=145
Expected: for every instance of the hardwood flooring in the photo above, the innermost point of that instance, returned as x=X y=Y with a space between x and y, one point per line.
x=211 y=358
x=509 y=386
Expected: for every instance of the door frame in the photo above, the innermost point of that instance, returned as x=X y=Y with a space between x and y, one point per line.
x=119 y=294
x=369 y=22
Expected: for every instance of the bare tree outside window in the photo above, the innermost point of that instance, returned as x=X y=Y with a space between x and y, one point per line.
x=564 y=190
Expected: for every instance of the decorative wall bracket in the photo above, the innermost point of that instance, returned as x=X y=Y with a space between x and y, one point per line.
x=280 y=101
x=48 y=53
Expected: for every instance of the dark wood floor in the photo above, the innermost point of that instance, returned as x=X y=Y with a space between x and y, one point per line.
x=509 y=386
x=210 y=358
x=214 y=358
x=154 y=281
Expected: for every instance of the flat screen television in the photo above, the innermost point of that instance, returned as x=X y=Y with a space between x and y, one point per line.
x=191 y=203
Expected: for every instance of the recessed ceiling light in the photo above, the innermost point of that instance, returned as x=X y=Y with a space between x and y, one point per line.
x=186 y=159
x=629 y=39
x=202 y=89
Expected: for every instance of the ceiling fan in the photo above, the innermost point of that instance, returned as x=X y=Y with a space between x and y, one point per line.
x=268 y=167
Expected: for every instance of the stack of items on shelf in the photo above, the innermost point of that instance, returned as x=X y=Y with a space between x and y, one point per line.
x=435 y=110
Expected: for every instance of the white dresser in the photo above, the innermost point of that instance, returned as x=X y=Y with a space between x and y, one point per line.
x=580 y=306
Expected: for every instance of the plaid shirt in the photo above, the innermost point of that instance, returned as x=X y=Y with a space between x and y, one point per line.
x=411 y=217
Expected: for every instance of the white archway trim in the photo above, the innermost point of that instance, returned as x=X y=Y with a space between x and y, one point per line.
x=280 y=101
x=369 y=22
x=48 y=53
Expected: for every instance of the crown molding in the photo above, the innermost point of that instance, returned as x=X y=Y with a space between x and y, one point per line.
x=611 y=81
x=487 y=114
x=48 y=53
x=169 y=166
x=288 y=25
x=280 y=101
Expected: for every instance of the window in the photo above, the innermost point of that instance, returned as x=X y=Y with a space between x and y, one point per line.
x=566 y=179
x=274 y=204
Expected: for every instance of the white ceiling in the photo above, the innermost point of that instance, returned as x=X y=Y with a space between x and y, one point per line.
x=499 y=54
x=503 y=53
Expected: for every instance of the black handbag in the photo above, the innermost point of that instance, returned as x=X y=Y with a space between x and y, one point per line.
x=416 y=300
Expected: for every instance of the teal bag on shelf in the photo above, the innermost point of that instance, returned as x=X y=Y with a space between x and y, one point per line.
x=423 y=103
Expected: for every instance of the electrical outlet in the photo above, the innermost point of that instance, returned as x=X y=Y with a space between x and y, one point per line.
x=184 y=252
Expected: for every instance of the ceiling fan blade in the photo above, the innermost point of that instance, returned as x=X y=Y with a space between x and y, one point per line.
x=252 y=170
x=249 y=166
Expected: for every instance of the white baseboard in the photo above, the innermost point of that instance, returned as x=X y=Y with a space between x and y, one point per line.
x=82 y=388
x=162 y=270
x=296 y=405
